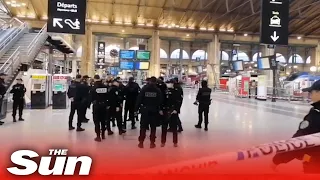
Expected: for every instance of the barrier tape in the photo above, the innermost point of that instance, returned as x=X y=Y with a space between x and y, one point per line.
x=254 y=152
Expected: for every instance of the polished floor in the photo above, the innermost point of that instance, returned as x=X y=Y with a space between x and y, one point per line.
x=234 y=124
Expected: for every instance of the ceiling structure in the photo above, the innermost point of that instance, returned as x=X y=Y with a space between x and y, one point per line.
x=230 y=16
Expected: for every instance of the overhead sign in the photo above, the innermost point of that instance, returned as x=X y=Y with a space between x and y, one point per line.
x=274 y=22
x=66 y=16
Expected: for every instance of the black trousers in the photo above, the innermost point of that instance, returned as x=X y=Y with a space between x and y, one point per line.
x=81 y=110
x=18 y=104
x=114 y=115
x=172 y=121
x=99 y=118
x=129 y=109
x=72 y=112
x=203 y=110
x=148 y=119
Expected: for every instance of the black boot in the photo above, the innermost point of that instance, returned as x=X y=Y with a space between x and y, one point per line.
x=103 y=135
x=14 y=119
x=71 y=128
x=21 y=119
x=1 y=123
x=140 y=145
x=98 y=139
x=206 y=127
x=79 y=129
x=152 y=145
x=198 y=126
x=110 y=133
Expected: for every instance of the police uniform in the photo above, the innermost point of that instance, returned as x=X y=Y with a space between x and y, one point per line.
x=171 y=110
x=310 y=125
x=204 y=100
x=2 y=92
x=131 y=92
x=71 y=95
x=149 y=101
x=18 y=91
x=180 y=91
x=115 y=100
x=99 y=97
x=81 y=103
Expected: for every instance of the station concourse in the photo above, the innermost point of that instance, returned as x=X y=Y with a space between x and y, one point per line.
x=256 y=75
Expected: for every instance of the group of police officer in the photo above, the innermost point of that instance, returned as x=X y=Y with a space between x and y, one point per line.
x=159 y=104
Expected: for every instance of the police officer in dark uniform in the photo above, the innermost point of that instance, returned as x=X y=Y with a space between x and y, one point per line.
x=204 y=100
x=18 y=90
x=86 y=101
x=171 y=110
x=149 y=101
x=131 y=92
x=115 y=101
x=71 y=95
x=310 y=125
x=99 y=97
x=177 y=85
x=81 y=102
x=2 y=91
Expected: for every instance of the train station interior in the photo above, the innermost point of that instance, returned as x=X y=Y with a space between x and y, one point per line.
x=256 y=98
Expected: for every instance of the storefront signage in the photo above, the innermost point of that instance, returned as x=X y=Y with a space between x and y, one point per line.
x=274 y=22
x=66 y=16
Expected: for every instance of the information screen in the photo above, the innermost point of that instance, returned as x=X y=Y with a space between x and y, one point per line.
x=142 y=65
x=58 y=87
x=238 y=66
x=143 y=55
x=125 y=65
x=264 y=63
x=114 y=71
x=127 y=54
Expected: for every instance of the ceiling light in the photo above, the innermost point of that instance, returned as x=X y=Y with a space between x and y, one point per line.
x=21 y=16
x=222 y=29
x=88 y=20
x=128 y=23
x=190 y=27
x=95 y=21
x=230 y=30
x=177 y=26
x=245 y=34
x=18 y=5
x=23 y=4
x=13 y=2
x=203 y=29
x=123 y=30
x=31 y=16
x=183 y=27
x=105 y=21
x=173 y=24
x=118 y=22
x=299 y=37
x=13 y=5
x=169 y=27
x=8 y=2
x=150 y=25
x=140 y=24
x=188 y=35
x=210 y=29
x=44 y=17
x=295 y=67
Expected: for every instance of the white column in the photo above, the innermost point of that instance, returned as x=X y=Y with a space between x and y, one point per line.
x=268 y=52
x=155 y=60
x=74 y=68
x=213 y=64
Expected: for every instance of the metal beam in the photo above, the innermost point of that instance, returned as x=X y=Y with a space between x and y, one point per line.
x=138 y=12
x=185 y=12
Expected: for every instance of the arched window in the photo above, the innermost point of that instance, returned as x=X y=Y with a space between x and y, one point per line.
x=281 y=58
x=308 y=61
x=79 y=52
x=225 y=56
x=200 y=54
x=176 y=53
x=241 y=56
x=163 y=54
x=299 y=59
x=136 y=48
x=256 y=55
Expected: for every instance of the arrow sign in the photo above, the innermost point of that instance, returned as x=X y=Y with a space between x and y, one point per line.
x=274 y=37
x=56 y=21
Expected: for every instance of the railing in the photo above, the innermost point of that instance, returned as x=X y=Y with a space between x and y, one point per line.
x=13 y=35
x=39 y=37
x=8 y=66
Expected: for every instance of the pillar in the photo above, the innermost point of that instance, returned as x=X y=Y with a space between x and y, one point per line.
x=74 y=68
x=155 y=53
x=268 y=52
x=87 y=60
x=317 y=58
x=213 y=64
x=50 y=61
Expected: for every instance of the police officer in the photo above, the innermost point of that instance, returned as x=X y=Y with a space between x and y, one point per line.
x=86 y=100
x=131 y=92
x=171 y=110
x=204 y=100
x=18 y=90
x=2 y=91
x=149 y=101
x=99 y=97
x=71 y=95
x=115 y=100
x=177 y=85
x=310 y=125
x=81 y=102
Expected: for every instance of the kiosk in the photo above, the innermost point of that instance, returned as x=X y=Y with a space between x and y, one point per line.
x=60 y=84
x=40 y=86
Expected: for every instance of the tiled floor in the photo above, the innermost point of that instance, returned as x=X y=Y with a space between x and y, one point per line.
x=234 y=124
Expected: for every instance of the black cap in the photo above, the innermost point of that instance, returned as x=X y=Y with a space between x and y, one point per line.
x=153 y=79
x=86 y=77
x=3 y=74
x=78 y=76
x=315 y=87
x=96 y=77
x=131 y=79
